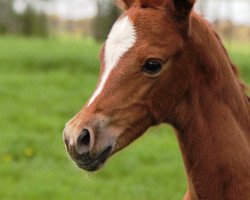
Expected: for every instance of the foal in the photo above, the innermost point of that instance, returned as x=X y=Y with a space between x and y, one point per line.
x=162 y=63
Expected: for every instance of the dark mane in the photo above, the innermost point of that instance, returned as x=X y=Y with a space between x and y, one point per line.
x=233 y=66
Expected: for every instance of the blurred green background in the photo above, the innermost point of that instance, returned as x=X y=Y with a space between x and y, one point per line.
x=48 y=69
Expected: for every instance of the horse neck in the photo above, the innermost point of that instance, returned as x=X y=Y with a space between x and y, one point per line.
x=213 y=120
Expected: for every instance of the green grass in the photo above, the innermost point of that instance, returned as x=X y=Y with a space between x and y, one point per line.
x=43 y=83
x=240 y=53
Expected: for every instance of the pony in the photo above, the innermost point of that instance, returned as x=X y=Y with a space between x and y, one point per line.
x=163 y=63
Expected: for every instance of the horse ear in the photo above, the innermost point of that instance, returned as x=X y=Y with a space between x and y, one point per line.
x=124 y=4
x=181 y=8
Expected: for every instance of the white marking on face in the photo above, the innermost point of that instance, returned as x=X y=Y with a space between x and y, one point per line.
x=121 y=38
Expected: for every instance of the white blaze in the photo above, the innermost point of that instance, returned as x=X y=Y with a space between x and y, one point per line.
x=121 y=38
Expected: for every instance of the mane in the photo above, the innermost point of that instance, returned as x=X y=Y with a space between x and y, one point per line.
x=234 y=67
x=202 y=27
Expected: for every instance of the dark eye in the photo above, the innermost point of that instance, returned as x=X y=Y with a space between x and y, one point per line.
x=152 y=66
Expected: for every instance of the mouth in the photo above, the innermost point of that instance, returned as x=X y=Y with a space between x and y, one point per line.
x=95 y=163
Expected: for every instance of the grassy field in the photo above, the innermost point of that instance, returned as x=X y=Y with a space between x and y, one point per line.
x=43 y=83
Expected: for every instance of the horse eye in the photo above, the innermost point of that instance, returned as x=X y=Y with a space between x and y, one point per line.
x=152 y=66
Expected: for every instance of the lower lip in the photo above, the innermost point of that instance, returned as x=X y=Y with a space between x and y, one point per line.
x=97 y=162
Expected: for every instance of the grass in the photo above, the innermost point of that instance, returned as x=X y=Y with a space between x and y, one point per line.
x=43 y=83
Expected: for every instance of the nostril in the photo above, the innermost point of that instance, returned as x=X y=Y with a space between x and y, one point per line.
x=83 y=141
x=84 y=138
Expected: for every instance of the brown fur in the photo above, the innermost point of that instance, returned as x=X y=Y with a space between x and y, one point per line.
x=198 y=92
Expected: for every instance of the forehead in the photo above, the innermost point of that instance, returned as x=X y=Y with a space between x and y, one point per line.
x=139 y=27
x=154 y=27
x=152 y=22
x=149 y=22
x=121 y=38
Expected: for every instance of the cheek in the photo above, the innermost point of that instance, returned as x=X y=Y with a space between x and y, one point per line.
x=139 y=123
x=167 y=93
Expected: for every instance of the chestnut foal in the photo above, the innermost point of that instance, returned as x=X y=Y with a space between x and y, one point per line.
x=162 y=63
